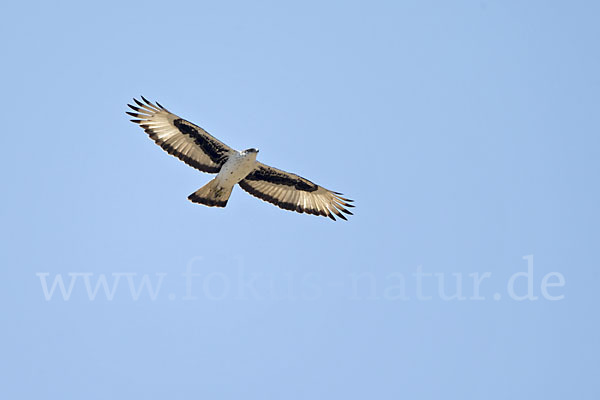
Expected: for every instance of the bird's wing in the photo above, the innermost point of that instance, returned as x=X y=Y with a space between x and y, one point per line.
x=292 y=192
x=178 y=137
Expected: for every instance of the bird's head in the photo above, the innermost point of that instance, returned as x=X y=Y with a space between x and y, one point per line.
x=251 y=150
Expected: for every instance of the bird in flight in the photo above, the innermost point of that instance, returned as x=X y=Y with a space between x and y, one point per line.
x=197 y=148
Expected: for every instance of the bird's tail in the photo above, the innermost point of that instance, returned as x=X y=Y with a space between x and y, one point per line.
x=211 y=194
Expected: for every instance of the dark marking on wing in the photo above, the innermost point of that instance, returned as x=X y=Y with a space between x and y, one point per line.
x=268 y=175
x=286 y=206
x=212 y=149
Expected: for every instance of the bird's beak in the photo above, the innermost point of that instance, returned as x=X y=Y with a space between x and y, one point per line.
x=257 y=150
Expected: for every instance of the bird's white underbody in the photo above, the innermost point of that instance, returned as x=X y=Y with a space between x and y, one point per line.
x=237 y=167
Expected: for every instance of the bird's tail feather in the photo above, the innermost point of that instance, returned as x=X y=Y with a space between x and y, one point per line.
x=211 y=194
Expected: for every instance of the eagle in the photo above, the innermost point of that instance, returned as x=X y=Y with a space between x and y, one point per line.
x=197 y=148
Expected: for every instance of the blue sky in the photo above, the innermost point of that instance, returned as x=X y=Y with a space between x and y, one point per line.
x=466 y=132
